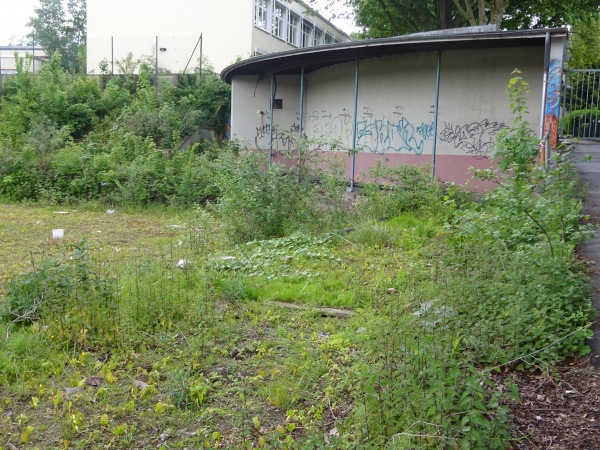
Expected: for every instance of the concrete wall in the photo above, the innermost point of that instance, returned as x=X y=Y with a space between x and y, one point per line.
x=396 y=96
x=252 y=126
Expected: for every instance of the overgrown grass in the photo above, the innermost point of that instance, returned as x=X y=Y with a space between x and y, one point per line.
x=206 y=327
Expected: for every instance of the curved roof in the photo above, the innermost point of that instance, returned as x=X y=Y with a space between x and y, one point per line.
x=313 y=58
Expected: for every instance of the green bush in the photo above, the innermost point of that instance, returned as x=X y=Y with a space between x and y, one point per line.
x=584 y=123
x=399 y=189
x=513 y=278
x=260 y=200
x=64 y=138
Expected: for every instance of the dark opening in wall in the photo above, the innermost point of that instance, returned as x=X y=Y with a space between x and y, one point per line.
x=277 y=103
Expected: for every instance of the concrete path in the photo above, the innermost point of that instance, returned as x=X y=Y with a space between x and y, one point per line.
x=587 y=160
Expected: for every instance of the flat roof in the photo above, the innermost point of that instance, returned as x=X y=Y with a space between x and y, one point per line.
x=312 y=58
x=20 y=47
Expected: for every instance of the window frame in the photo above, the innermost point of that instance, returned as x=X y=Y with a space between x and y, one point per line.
x=294 y=24
x=279 y=21
x=307 y=38
x=262 y=7
x=319 y=36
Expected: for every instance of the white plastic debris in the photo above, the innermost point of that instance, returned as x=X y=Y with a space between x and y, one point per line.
x=58 y=233
x=182 y=263
x=110 y=211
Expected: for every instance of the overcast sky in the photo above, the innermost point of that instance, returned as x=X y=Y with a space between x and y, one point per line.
x=14 y=14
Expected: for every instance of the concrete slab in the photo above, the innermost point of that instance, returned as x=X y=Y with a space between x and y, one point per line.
x=586 y=156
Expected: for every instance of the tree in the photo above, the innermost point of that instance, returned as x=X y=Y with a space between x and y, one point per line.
x=382 y=18
x=584 y=44
x=62 y=29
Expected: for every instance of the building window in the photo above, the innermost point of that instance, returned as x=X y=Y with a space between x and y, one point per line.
x=261 y=14
x=319 y=36
x=293 y=28
x=274 y=17
x=279 y=15
x=307 y=34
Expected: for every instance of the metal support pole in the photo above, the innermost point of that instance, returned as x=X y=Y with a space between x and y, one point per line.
x=545 y=85
x=201 y=42
x=436 y=113
x=272 y=100
x=355 y=128
x=301 y=118
x=156 y=65
x=112 y=55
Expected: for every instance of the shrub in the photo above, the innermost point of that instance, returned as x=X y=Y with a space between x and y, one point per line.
x=399 y=189
x=584 y=123
x=260 y=200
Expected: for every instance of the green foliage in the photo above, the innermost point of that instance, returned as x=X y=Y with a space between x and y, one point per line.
x=273 y=258
x=522 y=269
x=260 y=200
x=65 y=138
x=76 y=301
x=584 y=43
x=532 y=309
x=403 y=188
x=583 y=123
x=413 y=389
x=61 y=27
x=385 y=18
x=435 y=309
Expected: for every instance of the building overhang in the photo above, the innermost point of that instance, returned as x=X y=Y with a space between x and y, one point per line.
x=314 y=58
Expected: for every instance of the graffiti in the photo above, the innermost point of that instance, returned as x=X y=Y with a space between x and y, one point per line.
x=329 y=131
x=476 y=138
x=327 y=127
x=386 y=136
x=553 y=100
x=282 y=139
x=553 y=94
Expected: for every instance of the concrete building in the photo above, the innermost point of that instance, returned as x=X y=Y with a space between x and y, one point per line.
x=435 y=99
x=170 y=32
x=34 y=58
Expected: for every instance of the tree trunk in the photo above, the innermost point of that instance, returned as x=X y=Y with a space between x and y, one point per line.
x=466 y=10
x=498 y=10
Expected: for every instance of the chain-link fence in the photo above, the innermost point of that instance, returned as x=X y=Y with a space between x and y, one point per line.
x=164 y=54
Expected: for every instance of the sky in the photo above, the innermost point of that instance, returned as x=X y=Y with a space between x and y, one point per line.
x=14 y=15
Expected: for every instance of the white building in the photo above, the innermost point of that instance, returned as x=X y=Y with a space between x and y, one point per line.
x=170 y=32
x=34 y=58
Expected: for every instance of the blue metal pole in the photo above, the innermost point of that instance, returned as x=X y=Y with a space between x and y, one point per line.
x=355 y=131
x=271 y=119
x=301 y=128
x=436 y=110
